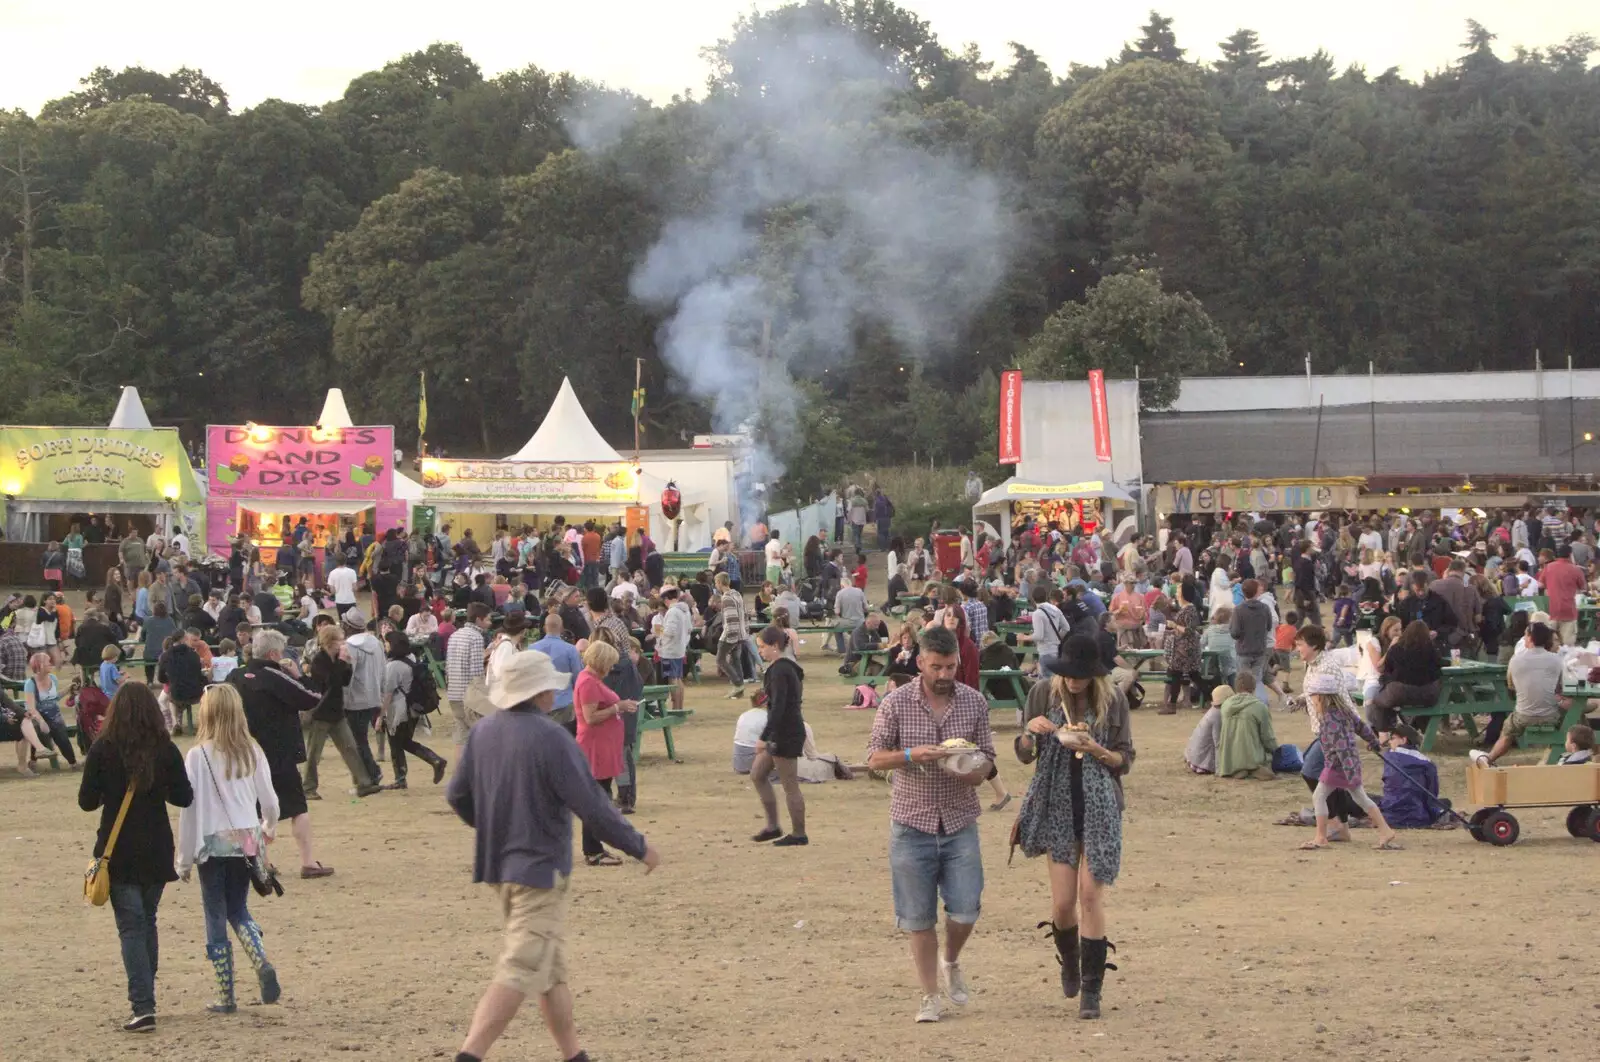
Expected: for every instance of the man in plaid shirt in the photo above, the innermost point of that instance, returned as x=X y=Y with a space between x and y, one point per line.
x=463 y=662
x=13 y=655
x=977 y=612
x=933 y=833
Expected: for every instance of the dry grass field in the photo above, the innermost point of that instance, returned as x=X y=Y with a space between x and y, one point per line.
x=1232 y=944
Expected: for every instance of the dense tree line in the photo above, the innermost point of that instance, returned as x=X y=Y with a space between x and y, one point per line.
x=1231 y=216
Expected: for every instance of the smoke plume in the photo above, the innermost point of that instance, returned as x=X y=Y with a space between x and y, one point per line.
x=826 y=215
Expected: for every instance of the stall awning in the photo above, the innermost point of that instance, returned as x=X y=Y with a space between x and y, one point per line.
x=283 y=506
x=27 y=505
x=1013 y=490
x=1396 y=502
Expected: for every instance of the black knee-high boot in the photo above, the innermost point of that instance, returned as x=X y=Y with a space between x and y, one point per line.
x=1094 y=975
x=1067 y=955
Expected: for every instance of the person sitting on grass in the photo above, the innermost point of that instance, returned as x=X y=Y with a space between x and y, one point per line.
x=1200 y=754
x=1580 y=745
x=1535 y=676
x=1409 y=781
x=1245 y=742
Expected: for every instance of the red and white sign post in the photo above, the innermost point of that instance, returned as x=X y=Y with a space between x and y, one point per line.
x=1011 y=417
x=1100 y=415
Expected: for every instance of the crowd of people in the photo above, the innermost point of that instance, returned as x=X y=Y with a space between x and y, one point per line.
x=548 y=639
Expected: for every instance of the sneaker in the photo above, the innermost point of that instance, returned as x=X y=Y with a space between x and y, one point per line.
x=930 y=1009
x=955 y=983
x=438 y=771
x=399 y=783
x=140 y=1023
x=368 y=790
x=737 y=694
x=313 y=795
x=791 y=841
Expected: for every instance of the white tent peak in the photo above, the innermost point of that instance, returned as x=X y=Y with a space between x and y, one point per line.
x=334 y=412
x=130 y=412
x=566 y=434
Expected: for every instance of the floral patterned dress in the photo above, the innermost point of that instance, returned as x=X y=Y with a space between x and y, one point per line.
x=1338 y=728
x=1073 y=801
x=1183 y=650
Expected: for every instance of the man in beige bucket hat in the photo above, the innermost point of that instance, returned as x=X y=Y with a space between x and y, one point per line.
x=520 y=779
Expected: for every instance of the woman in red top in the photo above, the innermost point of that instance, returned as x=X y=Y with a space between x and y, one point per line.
x=955 y=619
x=600 y=733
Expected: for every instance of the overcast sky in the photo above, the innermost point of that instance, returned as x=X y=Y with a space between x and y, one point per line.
x=308 y=51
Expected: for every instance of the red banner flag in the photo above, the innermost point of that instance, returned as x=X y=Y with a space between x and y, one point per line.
x=1098 y=411
x=1011 y=417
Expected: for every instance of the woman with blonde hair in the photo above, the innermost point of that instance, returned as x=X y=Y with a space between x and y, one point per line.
x=1078 y=729
x=223 y=831
x=42 y=698
x=600 y=733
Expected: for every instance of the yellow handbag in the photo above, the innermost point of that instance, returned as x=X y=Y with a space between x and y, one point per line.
x=97 y=879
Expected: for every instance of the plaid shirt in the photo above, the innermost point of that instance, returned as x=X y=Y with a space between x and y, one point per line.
x=977 y=619
x=13 y=656
x=618 y=627
x=463 y=661
x=927 y=797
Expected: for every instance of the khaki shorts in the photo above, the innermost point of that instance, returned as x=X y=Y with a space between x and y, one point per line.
x=535 y=959
x=1516 y=723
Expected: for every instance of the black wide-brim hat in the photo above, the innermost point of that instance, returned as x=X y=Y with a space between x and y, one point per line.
x=1079 y=659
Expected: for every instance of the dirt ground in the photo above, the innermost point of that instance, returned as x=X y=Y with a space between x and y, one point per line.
x=1232 y=945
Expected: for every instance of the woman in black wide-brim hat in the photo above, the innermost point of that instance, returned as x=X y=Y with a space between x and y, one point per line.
x=1077 y=727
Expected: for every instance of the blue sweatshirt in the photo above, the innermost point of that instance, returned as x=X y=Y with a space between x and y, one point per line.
x=519 y=781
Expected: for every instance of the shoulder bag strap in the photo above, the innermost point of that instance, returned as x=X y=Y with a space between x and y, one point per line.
x=116 y=827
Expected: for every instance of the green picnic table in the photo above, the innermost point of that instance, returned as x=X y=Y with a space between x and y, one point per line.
x=864 y=659
x=1470 y=688
x=656 y=713
x=1012 y=627
x=1008 y=679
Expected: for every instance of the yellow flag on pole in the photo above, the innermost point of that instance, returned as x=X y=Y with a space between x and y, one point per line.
x=422 y=406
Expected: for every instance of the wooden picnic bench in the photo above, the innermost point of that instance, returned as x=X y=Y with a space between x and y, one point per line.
x=864 y=659
x=656 y=713
x=1467 y=689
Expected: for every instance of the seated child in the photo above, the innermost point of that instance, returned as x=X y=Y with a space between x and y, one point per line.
x=865 y=698
x=1580 y=745
x=1201 y=753
x=1245 y=741
x=1216 y=641
x=225 y=660
x=1403 y=803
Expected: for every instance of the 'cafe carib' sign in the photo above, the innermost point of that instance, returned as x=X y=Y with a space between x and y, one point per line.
x=258 y=461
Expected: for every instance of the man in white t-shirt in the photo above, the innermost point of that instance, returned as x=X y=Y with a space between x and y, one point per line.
x=342 y=581
x=1371 y=539
x=746 y=735
x=180 y=543
x=774 y=550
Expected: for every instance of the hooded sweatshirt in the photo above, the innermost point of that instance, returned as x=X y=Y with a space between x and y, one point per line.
x=1252 y=628
x=367 y=663
x=1245 y=740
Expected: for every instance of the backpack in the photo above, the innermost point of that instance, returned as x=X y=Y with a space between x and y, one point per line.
x=423 y=696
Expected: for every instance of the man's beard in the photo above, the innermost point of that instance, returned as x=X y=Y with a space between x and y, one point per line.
x=943 y=687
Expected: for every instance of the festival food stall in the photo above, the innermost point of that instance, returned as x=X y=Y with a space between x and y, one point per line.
x=567 y=469
x=132 y=478
x=263 y=479
x=1071 y=508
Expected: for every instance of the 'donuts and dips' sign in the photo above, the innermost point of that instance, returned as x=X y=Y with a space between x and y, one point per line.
x=1225 y=497
x=258 y=461
x=575 y=481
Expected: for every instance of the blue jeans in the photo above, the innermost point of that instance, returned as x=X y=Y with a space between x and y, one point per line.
x=594 y=574
x=855 y=536
x=924 y=866
x=224 y=896
x=134 y=907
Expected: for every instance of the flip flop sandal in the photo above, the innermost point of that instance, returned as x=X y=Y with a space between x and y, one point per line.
x=1312 y=846
x=1289 y=820
x=607 y=860
x=1389 y=846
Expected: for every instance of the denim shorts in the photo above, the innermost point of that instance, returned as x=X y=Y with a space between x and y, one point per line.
x=672 y=668
x=922 y=866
